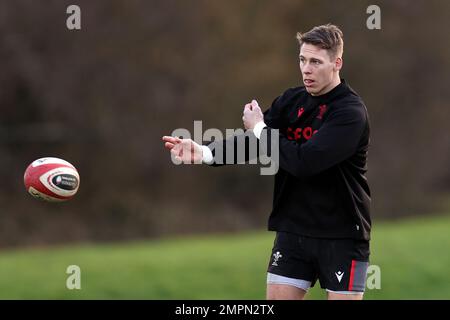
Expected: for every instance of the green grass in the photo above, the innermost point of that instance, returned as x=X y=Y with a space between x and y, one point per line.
x=413 y=256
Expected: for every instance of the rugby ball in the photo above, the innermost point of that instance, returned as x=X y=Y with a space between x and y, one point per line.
x=51 y=179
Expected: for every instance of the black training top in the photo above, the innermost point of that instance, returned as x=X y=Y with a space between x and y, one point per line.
x=320 y=187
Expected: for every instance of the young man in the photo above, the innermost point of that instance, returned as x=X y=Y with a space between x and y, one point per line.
x=321 y=197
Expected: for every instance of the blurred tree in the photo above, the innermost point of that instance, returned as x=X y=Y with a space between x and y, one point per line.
x=103 y=96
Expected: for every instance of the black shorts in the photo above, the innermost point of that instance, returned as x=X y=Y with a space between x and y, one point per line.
x=339 y=264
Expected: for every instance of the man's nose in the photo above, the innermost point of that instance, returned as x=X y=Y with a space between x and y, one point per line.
x=306 y=71
x=306 y=68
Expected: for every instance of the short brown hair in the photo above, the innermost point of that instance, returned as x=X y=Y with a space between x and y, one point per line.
x=328 y=37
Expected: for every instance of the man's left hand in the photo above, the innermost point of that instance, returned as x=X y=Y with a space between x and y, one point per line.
x=252 y=115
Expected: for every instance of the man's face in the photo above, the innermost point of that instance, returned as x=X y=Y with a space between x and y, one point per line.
x=318 y=70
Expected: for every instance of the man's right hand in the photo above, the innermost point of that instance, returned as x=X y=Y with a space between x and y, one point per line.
x=184 y=150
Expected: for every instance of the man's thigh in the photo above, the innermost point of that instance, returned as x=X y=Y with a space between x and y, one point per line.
x=344 y=296
x=284 y=292
x=291 y=271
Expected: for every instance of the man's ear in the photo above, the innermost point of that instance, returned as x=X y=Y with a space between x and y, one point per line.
x=338 y=64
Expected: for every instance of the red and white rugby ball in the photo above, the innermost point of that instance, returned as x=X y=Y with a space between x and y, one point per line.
x=51 y=179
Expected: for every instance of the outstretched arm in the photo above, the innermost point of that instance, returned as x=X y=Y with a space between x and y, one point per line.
x=189 y=152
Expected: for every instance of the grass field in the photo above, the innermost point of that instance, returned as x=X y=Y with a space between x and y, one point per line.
x=413 y=255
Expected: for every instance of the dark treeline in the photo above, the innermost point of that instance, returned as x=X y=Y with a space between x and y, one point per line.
x=103 y=96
